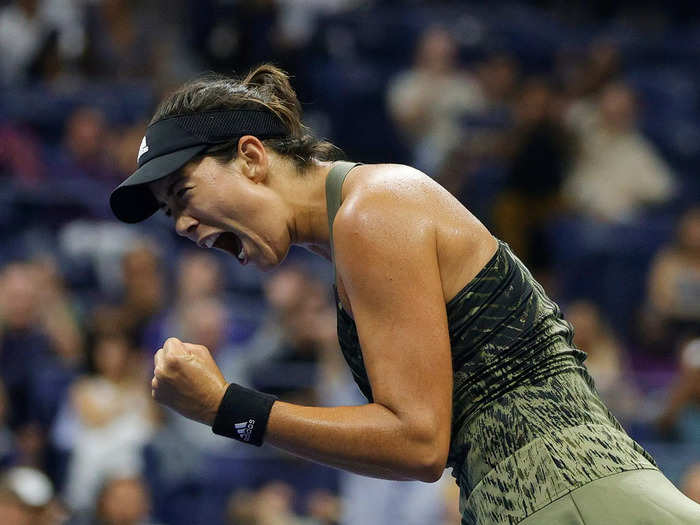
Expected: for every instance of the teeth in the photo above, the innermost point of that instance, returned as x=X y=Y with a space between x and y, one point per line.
x=241 y=255
x=209 y=241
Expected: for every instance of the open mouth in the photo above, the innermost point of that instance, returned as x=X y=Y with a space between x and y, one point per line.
x=229 y=242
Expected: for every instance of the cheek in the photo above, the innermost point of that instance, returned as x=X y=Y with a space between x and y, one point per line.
x=207 y=208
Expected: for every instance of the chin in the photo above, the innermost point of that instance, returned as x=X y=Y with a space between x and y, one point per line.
x=266 y=266
x=269 y=264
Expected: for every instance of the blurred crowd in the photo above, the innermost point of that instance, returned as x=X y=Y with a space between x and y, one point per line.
x=573 y=133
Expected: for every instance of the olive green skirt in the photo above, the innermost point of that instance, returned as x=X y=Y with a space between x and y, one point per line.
x=635 y=497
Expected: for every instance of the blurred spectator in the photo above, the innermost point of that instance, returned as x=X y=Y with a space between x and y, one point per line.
x=673 y=286
x=427 y=101
x=123 y=501
x=109 y=418
x=57 y=313
x=39 y=39
x=27 y=498
x=24 y=349
x=606 y=361
x=497 y=75
x=144 y=294
x=79 y=166
x=84 y=135
x=324 y=508
x=94 y=252
x=240 y=508
x=120 y=42
x=691 y=482
x=271 y=505
x=617 y=172
x=57 y=319
x=484 y=149
x=140 y=285
x=199 y=275
x=584 y=78
x=20 y=156
x=298 y=20
x=538 y=151
x=680 y=417
x=299 y=327
x=22 y=34
x=85 y=146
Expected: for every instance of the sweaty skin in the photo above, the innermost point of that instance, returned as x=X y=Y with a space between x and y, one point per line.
x=403 y=248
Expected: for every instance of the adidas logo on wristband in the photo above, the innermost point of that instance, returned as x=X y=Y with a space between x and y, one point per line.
x=243 y=414
x=245 y=429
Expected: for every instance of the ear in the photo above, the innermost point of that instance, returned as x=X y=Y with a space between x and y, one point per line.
x=254 y=159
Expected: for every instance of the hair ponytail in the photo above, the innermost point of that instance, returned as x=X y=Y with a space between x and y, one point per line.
x=265 y=85
x=273 y=83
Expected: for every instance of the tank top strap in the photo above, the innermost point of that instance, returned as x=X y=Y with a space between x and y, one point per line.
x=334 y=197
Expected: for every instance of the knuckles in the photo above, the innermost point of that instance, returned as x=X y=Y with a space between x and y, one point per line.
x=174 y=354
x=196 y=349
x=172 y=342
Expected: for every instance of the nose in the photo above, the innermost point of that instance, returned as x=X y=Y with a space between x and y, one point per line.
x=185 y=225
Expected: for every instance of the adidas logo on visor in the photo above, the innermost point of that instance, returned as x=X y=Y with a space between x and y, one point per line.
x=143 y=148
x=245 y=429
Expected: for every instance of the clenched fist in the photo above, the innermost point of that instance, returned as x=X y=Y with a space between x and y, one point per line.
x=187 y=379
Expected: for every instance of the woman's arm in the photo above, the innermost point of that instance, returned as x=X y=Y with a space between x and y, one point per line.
x=388 y=263
x=386 y=256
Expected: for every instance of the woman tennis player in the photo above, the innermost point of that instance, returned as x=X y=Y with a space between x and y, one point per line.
x=463 y=359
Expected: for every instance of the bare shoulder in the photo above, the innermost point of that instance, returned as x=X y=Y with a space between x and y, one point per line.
x=383 y=199
x=393 y=181
x=394 y=211
x=387 y=190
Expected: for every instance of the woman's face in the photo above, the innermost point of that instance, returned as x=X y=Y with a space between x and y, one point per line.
x=227 y=206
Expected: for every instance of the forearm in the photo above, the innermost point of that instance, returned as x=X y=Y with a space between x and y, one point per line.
x=369 y=439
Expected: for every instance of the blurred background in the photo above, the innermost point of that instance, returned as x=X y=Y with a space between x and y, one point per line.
x=571 y=129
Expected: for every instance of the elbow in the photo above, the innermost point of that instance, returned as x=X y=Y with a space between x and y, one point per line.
x=425 y=444
x=430 y=458
x=431 y=469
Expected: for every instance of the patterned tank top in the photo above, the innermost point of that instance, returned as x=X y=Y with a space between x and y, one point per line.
x=527 y=423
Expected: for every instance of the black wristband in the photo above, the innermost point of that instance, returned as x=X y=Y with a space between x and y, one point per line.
x=243 y=414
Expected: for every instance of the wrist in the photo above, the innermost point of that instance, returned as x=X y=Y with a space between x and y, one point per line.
x=210 y=415
x=242 y=414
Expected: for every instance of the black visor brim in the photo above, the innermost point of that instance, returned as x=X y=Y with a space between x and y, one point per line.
x=132 y=201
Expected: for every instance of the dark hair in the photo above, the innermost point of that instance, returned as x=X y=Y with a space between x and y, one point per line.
x=265 y=85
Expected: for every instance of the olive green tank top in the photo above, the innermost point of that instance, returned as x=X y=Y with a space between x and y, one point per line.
x=527 y=423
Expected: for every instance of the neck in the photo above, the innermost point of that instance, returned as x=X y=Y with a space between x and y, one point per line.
x=306 y=197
